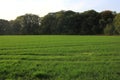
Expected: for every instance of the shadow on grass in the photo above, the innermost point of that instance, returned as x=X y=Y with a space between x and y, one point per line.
x=41 y=75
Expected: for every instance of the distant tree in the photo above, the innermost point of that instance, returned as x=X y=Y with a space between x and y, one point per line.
x=4 y=26
x=15 y=27
x=109 y=29
x=106 y=17
x=28 y=24
x=58 y=23
x=48 y=24
x=64 y=22
x=90 y=22
x=107 y=14
x=74 y=23
x=117 y=23
x=69 y=22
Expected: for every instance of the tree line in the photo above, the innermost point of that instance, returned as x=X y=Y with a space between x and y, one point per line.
x=63 y=22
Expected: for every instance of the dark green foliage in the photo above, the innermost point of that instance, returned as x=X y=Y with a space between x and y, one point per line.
x=109 y=29
x=30 y=24
x=27 y=24
x=62 y=22
x=117 y=23
x=48 y=24
x=15 y=27
x=90 y=22
x=69 y=22
x=4 y=26
x=105 y=17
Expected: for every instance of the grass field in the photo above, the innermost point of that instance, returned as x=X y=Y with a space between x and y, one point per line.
x=59 y=57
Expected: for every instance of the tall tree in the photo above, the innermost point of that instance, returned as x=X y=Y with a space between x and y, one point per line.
x=117 y=23
x=90 y=22
x=64 y=22
x=109 y=29
x=29 y=23
x=15 y=27
x=4 y=26
x=106 y=17
x=48 y=24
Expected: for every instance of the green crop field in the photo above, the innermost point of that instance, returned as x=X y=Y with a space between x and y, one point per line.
x=59 y=57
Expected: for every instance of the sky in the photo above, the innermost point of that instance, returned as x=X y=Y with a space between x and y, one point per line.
x=10 y=9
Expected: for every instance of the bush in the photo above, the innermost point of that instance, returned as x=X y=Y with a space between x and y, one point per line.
x=109 y=29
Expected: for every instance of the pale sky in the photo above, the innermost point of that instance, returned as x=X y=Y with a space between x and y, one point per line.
x=10 y=9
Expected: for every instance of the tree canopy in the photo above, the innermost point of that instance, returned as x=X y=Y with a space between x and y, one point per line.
x=89 y=22
x=117 y=23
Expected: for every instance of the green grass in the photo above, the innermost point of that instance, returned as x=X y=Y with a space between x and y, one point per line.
x=59 y=57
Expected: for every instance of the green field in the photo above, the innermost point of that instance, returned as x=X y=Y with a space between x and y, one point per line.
x=59 y=57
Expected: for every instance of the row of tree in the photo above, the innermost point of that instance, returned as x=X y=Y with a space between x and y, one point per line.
x=64 y=22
